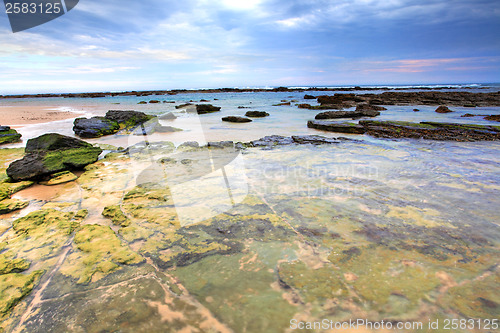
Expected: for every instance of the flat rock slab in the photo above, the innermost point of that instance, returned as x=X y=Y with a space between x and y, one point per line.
x=332 y=126
x=236 y=119
x=60 y=178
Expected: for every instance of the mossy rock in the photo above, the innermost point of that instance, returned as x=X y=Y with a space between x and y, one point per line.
x=7 y=188
x=9 y=265
x=116 y=215
x=100 y=253
x=10 y=205
x=313 y=284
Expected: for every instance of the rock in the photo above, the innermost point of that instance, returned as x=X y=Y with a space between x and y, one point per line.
x=94 y=127
x=142 y=102
x=52 y=153
x=9 y=135
x=168 y=116
x=331 y=126
x=467 y=115
x=369 y=107
x=346 y=100
x=7 y=188
x=221 y=144
x=168 y=129
x=443 y=109
x=128 y=118
x=257 y=114
x=10 y=205
x=347 y=114
x=282 y=104
x=309 y=97
x=314 y=139
x=182 y=106
x=60 y=178
x=493 y=118
x=416 y=110
x=188 y=145
x=206 y=108
x=271 y=140
x=154 y=101
x=236 y=119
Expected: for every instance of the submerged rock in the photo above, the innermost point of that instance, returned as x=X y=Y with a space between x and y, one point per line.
x=313 y=139
x=60 y=178
x=8 y=135
x=168 y=116
x=443 y=109
x=236 y=119
x=362 y=112
x=257 y=114
x=309 y=97
x=10 y=205
x=95 y=127
x=110 y=124
x=493 y=118
x=52 y=153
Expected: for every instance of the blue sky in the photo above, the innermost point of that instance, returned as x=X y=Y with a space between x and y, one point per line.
x=151 y=44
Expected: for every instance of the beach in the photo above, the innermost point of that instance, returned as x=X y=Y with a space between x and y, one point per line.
x=194 y=223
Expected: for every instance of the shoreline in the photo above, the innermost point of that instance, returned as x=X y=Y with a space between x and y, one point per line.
x=20 y=116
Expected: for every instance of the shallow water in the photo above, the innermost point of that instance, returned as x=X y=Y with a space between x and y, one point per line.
x=221 y=240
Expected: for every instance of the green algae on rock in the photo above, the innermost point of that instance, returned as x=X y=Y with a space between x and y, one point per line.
x=14 y=287
x=10 y=205
x=60 y=178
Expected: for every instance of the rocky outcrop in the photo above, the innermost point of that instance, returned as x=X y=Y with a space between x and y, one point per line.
x=332 y=126
x=168 y=116
x=114 y=120
x=236 y=119
x=52 y=153
x=443 y=109
x=206 y=108
x=347 y=114
x=9 y=135
x=369 y=107
x=257 y=114
x=493 y=118
x=309 y=97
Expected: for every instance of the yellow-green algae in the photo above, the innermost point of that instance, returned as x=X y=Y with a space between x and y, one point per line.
x=10 y=205
x=116 y=215
x=100 y=253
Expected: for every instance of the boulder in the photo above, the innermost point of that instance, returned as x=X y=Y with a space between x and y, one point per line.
x=493 y=118
x=271 y=140
x=95 y=127
x=369 y=107
x=10 y=205
x=154 y=101
x=443 y=109
x=52 y=153
x=8 y=135
x=347 y=114
x=256 y=114
x=60 y=178
x=129 y=118
x=236 y=119
x=206 y=108
x=331 y=126
x=309 y=97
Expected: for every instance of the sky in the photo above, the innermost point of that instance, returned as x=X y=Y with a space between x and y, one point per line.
x=118 y=45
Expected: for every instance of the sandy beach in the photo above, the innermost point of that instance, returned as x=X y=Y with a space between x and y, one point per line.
x=18 y=116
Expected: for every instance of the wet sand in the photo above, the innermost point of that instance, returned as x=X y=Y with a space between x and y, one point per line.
x=27 y=115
